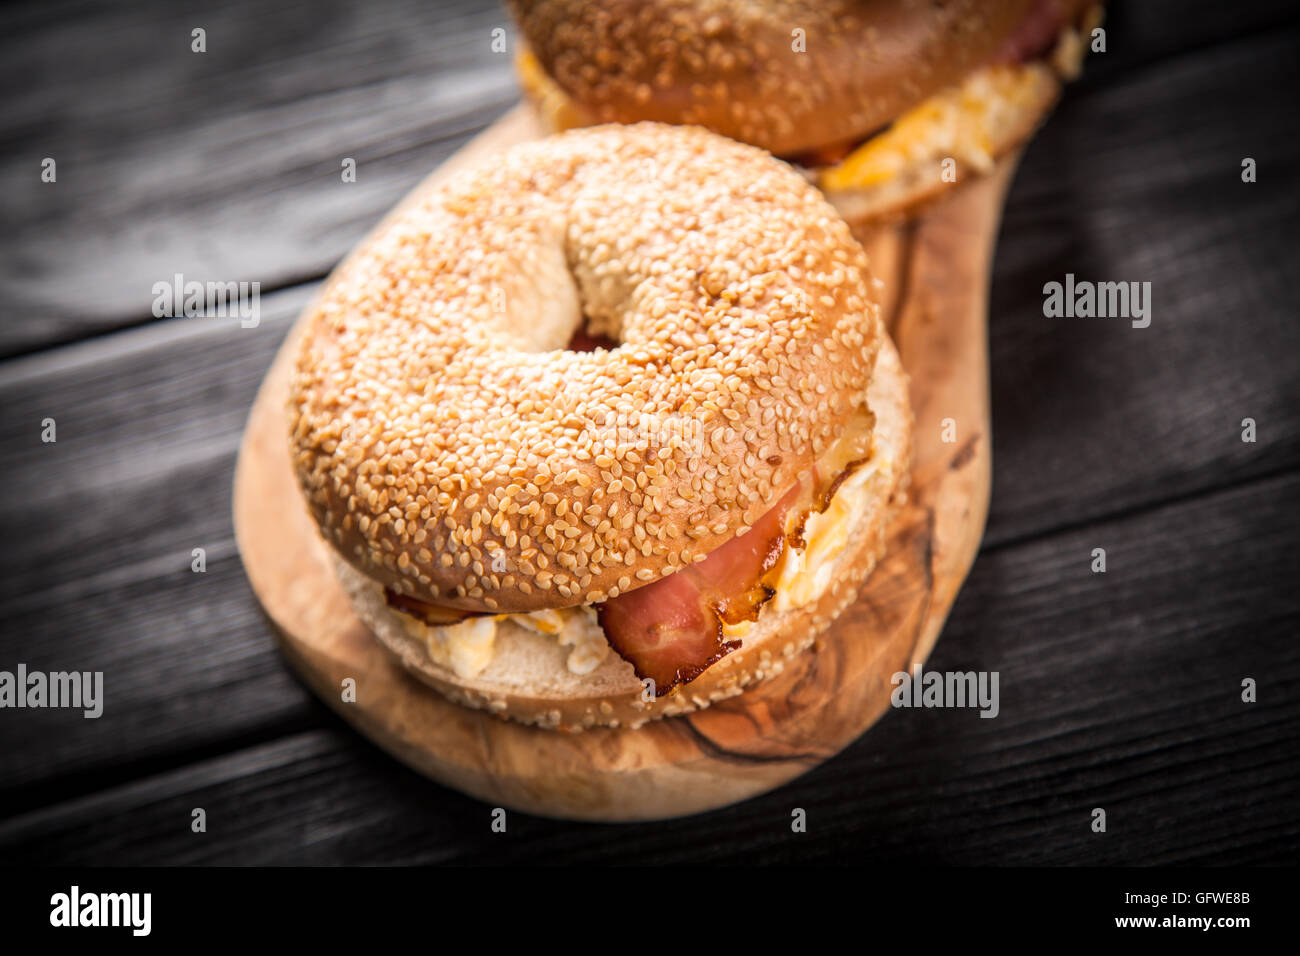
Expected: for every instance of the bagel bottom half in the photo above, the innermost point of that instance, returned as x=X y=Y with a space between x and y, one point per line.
x=528 y=679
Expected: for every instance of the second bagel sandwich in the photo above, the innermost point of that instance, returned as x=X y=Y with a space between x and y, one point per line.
x=883 y=103
x=605 y=430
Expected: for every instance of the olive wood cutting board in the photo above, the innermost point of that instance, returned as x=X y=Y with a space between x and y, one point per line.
x=935 y=271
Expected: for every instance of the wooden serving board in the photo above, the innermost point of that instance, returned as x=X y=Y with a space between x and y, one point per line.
x=936 y=274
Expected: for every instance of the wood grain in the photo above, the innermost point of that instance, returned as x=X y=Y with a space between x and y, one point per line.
x=1101 y=435
x=1118 y=689
x=1096 y=396
x=735 y=749
x=225 y=165
x=100 y=530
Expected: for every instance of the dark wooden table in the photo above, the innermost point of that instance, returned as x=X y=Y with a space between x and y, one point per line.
x=1119 y=690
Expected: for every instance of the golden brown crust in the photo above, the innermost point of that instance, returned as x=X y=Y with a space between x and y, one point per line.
x=530 y=684
x=451 y=449
x=738 y=68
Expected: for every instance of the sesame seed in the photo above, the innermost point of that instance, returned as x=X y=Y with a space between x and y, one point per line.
x=435 y=432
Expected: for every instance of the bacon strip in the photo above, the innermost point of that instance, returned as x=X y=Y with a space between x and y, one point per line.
x=672 y=629
x=1037 y=34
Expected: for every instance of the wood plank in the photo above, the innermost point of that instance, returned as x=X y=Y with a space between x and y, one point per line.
x=1118 y=690
x=150 y=414
x=225 y=165
x=1122 y=187
x=811 y=707
x=101 y=525
x=1090 y=418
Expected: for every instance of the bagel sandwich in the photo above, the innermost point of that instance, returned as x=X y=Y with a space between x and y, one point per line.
x=605 y=430
x=882 y=103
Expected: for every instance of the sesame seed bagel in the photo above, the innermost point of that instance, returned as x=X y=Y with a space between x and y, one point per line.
x=884 y=105
x=528 y=680
x=787 y=75
x=453 y=450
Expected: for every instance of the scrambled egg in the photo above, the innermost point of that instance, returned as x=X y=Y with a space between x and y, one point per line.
x=467 y=647
x=804 y=575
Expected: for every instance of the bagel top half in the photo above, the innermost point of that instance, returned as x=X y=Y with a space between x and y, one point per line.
x=452 y=448
x=787 y=75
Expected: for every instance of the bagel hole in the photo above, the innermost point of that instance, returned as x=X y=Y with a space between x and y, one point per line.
x=587 y=339
x=557 y=304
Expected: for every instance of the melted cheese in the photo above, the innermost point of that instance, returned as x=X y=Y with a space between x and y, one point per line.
x=962 y=123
